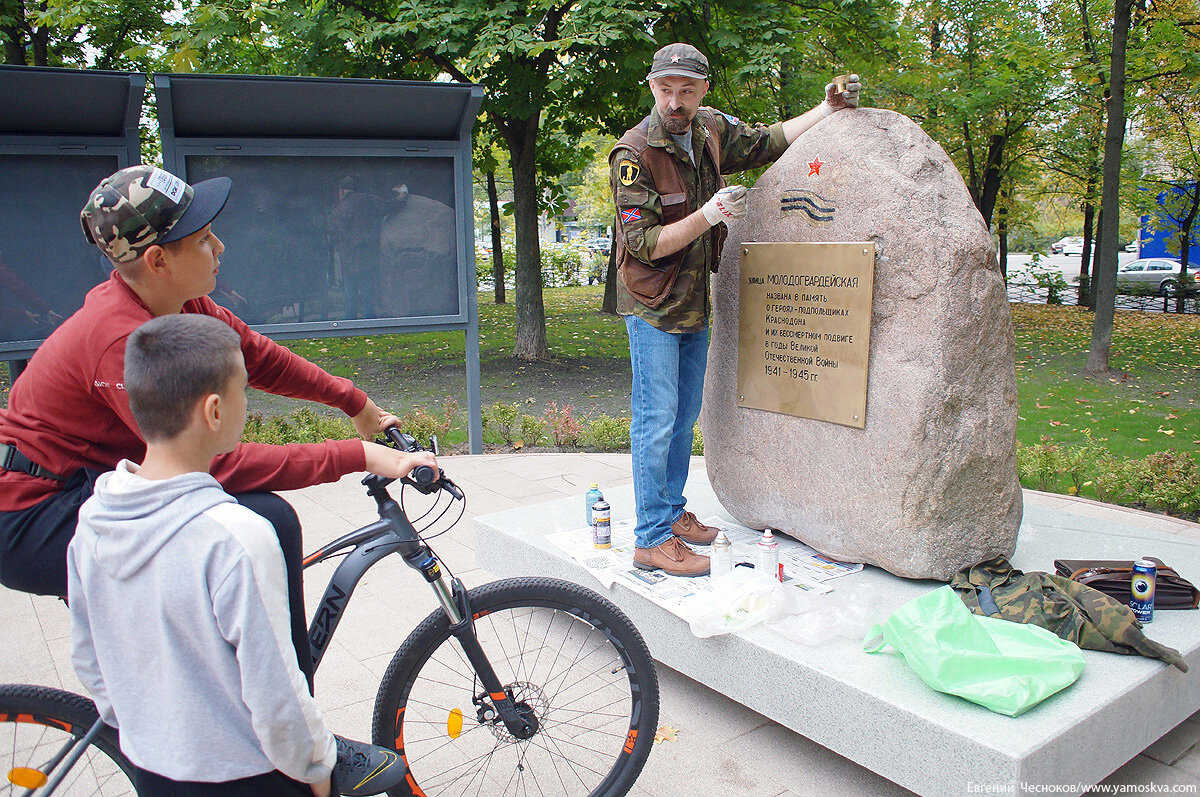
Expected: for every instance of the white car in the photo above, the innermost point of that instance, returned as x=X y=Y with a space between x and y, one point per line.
x=1159 y=273
x=1073 y=246
x=1059 y=247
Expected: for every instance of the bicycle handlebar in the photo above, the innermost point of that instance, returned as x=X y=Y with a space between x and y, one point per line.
x=422 y=477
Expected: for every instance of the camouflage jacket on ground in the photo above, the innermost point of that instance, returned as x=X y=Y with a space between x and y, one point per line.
x=640 y=208
x=1085 y=616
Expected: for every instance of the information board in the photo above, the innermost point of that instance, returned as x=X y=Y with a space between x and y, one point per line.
x=804 y=329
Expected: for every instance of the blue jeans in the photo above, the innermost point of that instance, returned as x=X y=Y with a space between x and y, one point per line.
x=668 y=385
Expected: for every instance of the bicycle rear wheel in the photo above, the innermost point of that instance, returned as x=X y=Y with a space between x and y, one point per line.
x=36 y=724
x=564 y=653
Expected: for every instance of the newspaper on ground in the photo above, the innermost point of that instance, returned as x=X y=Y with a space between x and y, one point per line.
x=803 y=568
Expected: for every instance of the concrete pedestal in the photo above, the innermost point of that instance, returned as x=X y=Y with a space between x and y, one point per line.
x=872 y=709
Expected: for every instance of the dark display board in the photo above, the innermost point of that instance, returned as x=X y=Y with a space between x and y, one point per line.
x=351 y=207
x=325 y=238
x=62 y=131
x=46 y=265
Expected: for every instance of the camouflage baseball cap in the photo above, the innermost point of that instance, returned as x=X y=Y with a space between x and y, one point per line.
x=679 y=59
x=141 y=205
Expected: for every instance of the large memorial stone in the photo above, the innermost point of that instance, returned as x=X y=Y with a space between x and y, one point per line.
x=929 y=485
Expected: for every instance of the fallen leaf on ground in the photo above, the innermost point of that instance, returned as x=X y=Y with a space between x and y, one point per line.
x=665 y=733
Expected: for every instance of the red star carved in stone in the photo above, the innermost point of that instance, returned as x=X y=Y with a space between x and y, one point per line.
x=814 y=166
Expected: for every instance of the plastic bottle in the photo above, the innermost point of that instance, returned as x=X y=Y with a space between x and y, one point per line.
x=593 y=495
x=721 y=555
x=767 y=561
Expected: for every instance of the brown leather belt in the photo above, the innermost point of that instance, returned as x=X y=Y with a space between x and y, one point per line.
x=14 y=460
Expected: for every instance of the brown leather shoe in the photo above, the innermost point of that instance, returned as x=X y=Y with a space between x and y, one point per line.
x=692 y=530
x=671 y=557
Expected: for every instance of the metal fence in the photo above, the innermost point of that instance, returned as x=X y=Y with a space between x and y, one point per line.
x=1028 y=292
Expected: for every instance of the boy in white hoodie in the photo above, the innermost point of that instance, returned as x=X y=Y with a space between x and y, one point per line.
x=180 y=622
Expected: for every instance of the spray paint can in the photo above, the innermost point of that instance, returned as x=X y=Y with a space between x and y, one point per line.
x=593 y=495
x=602 y=524
x=1141 y=589
x=767 y=561
x=721 y=556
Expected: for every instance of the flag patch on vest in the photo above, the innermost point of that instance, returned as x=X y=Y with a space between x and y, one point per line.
x=631 y=214
x=628 y=172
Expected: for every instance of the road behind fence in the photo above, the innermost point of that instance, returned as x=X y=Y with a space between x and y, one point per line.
x=1028 y=292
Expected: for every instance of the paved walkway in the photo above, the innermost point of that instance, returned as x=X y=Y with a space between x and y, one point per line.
x=720 y=746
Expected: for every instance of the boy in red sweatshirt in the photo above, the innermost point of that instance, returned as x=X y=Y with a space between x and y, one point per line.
x=68 y=417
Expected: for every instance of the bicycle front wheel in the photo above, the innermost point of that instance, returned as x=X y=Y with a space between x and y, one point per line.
x=565 y=654
x=37 y=725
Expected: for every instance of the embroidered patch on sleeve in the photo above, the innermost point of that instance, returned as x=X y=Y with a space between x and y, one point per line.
x=628 y=172
x=630 y=215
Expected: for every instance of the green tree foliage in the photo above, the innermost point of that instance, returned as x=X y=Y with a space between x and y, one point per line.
x=983 y=77
x=112 y=34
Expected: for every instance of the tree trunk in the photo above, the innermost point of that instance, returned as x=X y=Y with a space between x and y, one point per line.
x=991 y=179
x=1002 y=233
x=1185 y=241
x=1085 y=282
x=14 y=52
x=497 y=251
x=609 y=305
x=40 y=39
x=521 y=135
x=1114 y=141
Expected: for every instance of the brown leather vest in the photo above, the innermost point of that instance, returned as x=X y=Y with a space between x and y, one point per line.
x=651 y=285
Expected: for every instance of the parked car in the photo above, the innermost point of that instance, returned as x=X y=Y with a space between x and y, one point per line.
x=1159 y=273
x=1133 y=245
x=1075 y=242
x=600 y=244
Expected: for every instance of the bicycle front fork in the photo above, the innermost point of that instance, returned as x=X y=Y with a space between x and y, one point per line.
x=452 y=596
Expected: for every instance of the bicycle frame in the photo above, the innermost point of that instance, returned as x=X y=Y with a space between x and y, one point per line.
x=394 y=533
x=70 y=753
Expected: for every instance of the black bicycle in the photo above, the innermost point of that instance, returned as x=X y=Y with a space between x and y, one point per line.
x=520 y=686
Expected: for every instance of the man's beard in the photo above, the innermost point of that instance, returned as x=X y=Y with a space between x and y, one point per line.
x=677 y=124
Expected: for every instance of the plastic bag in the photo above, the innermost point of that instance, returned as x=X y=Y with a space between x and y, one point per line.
x=738 y=600
x=1004 y=666
x=812 y=618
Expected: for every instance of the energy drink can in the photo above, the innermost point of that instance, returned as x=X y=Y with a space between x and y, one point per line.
x=601 y=524
x=1141 y=589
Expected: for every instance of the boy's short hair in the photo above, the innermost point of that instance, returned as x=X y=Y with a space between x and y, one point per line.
x=172 y=362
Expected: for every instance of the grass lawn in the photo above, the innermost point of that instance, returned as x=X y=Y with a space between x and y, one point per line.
x=1151 y=408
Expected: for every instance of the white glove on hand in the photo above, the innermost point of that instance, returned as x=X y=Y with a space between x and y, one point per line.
x=835 y=100
x=728 y=203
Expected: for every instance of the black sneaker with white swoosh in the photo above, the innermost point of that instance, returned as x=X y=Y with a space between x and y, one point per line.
x=363 y=769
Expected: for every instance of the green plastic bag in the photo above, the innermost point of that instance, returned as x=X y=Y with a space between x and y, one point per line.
x=1004 y=666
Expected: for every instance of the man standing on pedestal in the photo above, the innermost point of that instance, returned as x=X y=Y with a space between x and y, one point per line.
x=671 y=204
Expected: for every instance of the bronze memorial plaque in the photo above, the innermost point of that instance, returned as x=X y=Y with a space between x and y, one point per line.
x=804 y=329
